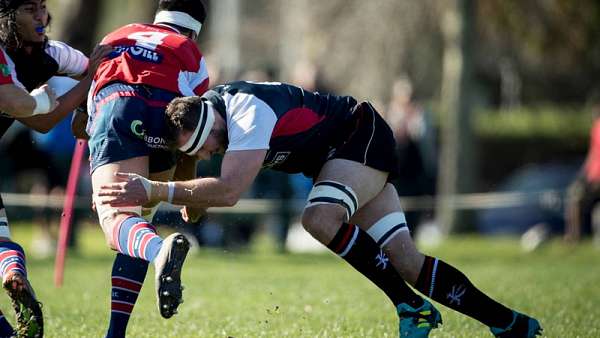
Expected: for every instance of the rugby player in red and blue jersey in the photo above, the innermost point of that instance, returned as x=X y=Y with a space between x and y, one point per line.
x=150 y=65
x=348 y=149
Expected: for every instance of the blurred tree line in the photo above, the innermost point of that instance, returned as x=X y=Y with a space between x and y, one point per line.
x=524 y=51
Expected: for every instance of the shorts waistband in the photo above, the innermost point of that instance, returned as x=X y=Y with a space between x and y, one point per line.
x=144 y=91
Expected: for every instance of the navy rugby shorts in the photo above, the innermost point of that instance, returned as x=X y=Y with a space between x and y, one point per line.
x=127 y=121
x=369 y=141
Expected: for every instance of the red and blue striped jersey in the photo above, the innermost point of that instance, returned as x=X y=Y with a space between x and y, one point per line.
x=153 y=55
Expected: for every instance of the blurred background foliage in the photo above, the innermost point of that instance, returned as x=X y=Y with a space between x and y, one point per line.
x=520 y=77
x=549 y=50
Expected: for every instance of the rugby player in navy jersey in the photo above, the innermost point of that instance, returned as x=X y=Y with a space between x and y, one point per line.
x=151 y=64
x=27 y=60
x=348 y=150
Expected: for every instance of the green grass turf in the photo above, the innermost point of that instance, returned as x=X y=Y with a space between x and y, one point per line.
x=264 y=294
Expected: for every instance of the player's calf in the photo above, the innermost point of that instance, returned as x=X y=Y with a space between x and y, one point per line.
x=133 y=236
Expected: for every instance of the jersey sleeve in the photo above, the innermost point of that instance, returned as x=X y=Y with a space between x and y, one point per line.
x=71 y=62
x=6 y=71
x=193 y=78
x=250 y=124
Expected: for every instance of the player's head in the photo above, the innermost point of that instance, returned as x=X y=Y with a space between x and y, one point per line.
x=188 y=15
x=23 y=21
x=196 y=129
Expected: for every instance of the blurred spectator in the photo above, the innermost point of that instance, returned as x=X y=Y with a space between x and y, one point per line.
x=415 y=146
x=583 y=194
x=258 y=74
x=307 y=75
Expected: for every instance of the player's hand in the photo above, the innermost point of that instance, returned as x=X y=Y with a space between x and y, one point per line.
x=51 y=95
x=130 y=190
x=192 y=215
x=97 y=56
x=78 y=124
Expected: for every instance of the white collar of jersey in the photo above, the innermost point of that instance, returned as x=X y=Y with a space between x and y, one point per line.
x=205 y=124
x=178 y=18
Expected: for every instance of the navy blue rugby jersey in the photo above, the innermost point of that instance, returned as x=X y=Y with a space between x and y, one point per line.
x=298 y=127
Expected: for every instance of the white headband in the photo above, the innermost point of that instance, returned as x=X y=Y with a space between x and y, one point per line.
x=178 y=18
x=196 y=141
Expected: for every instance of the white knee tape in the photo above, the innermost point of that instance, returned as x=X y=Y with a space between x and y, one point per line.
x=106 y=211
x=387 y=228
x=331 y=192
x=4 y=230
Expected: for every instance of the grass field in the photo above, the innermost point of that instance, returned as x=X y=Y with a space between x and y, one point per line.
x=264 y=294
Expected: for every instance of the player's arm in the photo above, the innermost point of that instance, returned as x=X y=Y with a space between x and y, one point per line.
x=16 y=102
x=68 y=102
x=186 y=170
x=238 y=171
x=71 y=99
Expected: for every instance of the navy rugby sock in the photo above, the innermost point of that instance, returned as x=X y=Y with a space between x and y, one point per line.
x=445 y=284
x=356 y=247
x=5 y=329
x=128 y=275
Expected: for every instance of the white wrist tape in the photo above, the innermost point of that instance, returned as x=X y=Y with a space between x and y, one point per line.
x=146 y=183
x=42 y=101
x=171 y=186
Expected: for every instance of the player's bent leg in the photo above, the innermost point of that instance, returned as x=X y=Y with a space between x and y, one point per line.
x=130 y=234
x=6 y=329
x=385 y=222
x=30 y=322
x=417 y=316
x=330 y=205
x=431 y=276
x=386 y=225
x=127 y=278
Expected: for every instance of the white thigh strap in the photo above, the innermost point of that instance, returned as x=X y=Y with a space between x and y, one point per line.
x=331 y=192
x=387 y=228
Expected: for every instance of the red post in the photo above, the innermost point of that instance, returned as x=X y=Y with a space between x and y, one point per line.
x=67 y=214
